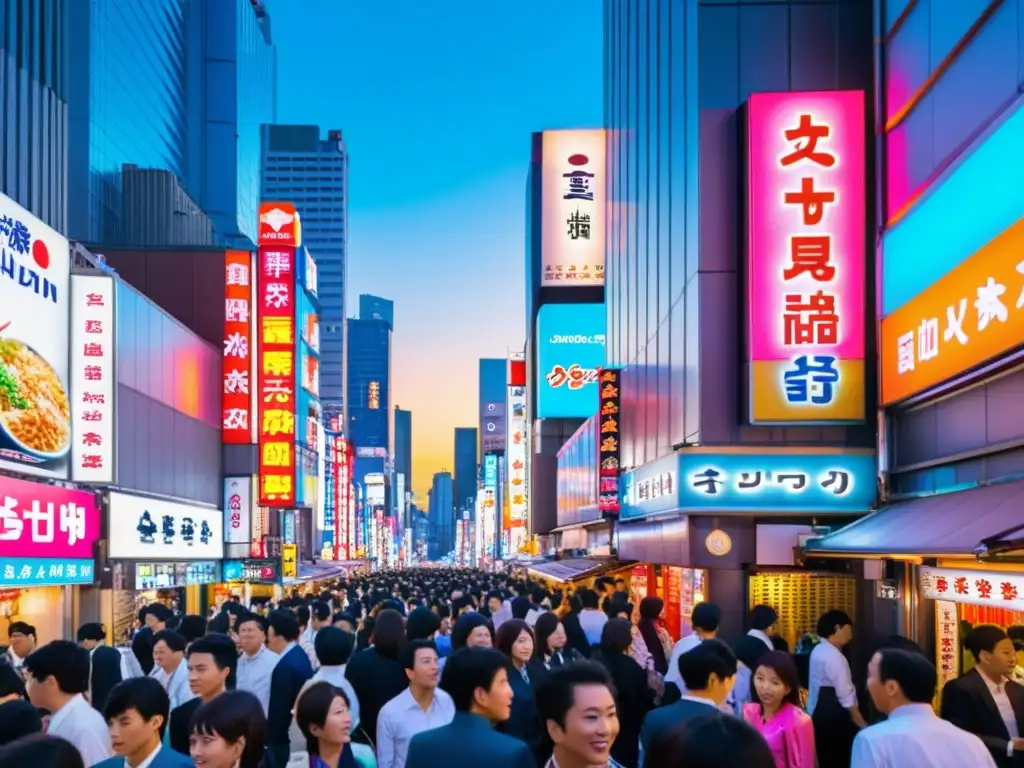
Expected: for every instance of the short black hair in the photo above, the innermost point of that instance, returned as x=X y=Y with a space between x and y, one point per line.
x=345 y=616
x=333 y=646
x=284 y=623
x=63 y=660
x=421 y=624
x=588 y=598
x=468 y=669
x=234 y=715
x=915 y=674
x=312 y=708
x=389 y=631
x=711 y=741
x=302 y=613
x=220 y=647
x=40 y=749
x=984 y=637
x=831 y=621
x=556 y=691
x=22 y=628
x=762 y=617
x=91 y=631
x=159 y=611
x=706 y=617
x=320 y=610
x=10 y=682
x=464 y=626
x=708 y=658
x=616 y=636
x=171 y=639
x=192 y=627
x=143 y=694
x=253 y=617
x=20 y=718
x=407 y=656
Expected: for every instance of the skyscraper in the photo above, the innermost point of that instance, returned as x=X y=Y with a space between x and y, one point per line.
x=465 y=468
x=492 y=392
x=375 y=308
x=370 y=415
x=403 y=450
x=441 y=517
x=33 y=101
x=301 y=168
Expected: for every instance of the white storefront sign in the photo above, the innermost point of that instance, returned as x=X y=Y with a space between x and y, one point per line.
x=151 y=529
x=992 y=589
x=237 y=509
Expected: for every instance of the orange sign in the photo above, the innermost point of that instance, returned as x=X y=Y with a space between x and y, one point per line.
x=235 y=399
x=279 y=225
x=973 y=314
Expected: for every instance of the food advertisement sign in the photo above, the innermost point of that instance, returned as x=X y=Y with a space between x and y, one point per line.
x=570 y=352
x=806 y=257
x=608 y=436
x=35 y=305
x=276 y=380
x=236 y=399
x=93 y=379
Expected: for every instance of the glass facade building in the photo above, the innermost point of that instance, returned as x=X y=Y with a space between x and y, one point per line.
x=34 y=90
x=466 y=469
x=441 y=517
x=403 y=447
x=370 y=414
x=375 y=308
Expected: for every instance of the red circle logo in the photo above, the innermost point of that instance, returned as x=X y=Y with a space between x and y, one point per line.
x=41 y=254
x=578 y=159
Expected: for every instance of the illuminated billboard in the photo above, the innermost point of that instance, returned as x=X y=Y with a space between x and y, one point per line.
x=570 y=352
x=236 y=399
x=573 y=188
x=806 y=257
x=276 y=397
x=279 y=225
x=516 y=457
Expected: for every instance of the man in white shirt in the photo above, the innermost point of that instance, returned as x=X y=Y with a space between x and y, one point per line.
x=169 y=656
x=832 y=696
x=56 y=676
x=22 y=637
x=592 y=618
x=136 y=713
x=420 y=707
x=256 y=662
x=319 y=617
x=902 y=685
x=704 y=620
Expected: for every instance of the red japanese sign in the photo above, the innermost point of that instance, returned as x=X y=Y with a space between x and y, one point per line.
x=343 y=459
x=990 y=588
x=279 y=225
x=236 y=398
x=276 y=375
x=608 y=436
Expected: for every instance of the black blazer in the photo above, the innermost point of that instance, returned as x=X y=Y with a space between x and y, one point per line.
x=665 y=719
x=376 y=678
x=635 y=699
x=749 y=650
x=286 y=681
x=524 y=722
x=106 y=673
x=177 y=728
x=968 y=704
x=468 y=741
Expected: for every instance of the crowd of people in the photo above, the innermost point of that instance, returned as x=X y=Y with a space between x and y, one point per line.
x=457 y=668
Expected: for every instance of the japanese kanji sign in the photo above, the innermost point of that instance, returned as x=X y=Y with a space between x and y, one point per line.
x=973 y=314
x=236 y=398
x=806 y=257
x=44 y=521
x=93 y=379
x=947 y=641
x=276 y=378
x=153 y=529
x=516 y=457
x=996 y=589
x=608 y=435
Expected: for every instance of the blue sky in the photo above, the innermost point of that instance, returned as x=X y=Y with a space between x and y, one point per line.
x=436 y=101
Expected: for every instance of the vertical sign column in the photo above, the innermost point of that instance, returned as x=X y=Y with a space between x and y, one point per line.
x=276 y=393
x=94 y=379
x=236 y=398
x=608 y=442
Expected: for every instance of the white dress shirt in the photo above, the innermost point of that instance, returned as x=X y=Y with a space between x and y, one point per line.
x=80 y=724
x=1006 y=713
x=914 y=736
x=592 y=623
x=402 y=718
x=685 y=645
x=254 y=672
x=760 y=635
x=829 y=668
x=147 y=762
x=176 y=683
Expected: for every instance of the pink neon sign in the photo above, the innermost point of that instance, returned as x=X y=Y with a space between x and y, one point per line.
x=806 y=256
x=44 y=521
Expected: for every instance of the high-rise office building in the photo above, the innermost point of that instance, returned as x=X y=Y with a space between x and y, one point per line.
x=33 y=102
x=403 y=450
x=301 y=168
x=370 y=415
x=492 y=392
x=375 y=308
x=441 y=517
x=466 y=473
x=232 y=92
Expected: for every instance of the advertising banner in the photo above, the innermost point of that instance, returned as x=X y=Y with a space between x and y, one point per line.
x=806 y=257
x=237 y=509
x=290 y=561
x=255 y=571
x=45 y=572
x=573 y=188
x=43 y=521
x=608 y=437
x=516 y=453
x=236 y=400
x=276 y=386
x=492 y=426
x=93 y=379
x=279 y=225
x=570 y=351
x=35 y=301
x=152 y=529
x=972 y=315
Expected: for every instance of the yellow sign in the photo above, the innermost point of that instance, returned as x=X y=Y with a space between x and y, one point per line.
x=290 y=561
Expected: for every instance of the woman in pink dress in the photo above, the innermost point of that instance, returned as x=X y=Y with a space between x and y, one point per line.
x=777 y=713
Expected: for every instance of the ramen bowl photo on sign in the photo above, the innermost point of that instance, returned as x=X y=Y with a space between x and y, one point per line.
x=35 y=416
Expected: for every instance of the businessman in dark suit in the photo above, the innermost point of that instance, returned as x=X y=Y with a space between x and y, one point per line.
x=211 y=663
x=287 y=679
x=477 y=681
x=104 y=663
x=984 y=701
x=758 y=640
x=708 y=672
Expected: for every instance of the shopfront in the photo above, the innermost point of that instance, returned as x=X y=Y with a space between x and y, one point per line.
x=48 y=537
x=162 y=551
x=731 y=521
x=252 y=580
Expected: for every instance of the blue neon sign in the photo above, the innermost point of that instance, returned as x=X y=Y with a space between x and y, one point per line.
x=45 y=571
x=570 y=350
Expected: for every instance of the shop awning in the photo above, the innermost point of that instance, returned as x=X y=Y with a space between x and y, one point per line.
x=322 y=570
x=576 y=569
x=953 y=524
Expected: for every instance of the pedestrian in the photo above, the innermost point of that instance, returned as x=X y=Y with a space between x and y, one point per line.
x=580 y=715
x=256 y=662
x=705 y=620
x=334 y=648
x=376 y=674
x=107 y=666
x=711 y=740
x=832 y=697
x=56 y=677
x=22 y=638
x=551 y=642
x=515 y=640
x=653 y=635
x=136 y=712
x=777 y=713
x=324 y=718
x=211 y=661
x=17 y=715
x=169 y=659
x=40 y=750
x=636 y=698
x=477 y=681
x=290 y=674
x=230 y=732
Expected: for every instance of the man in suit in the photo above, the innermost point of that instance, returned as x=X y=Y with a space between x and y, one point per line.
x=289 y=675
x=136 y=714
x=985 y=701
x=104 y=664
x=211 y=663
x=477 y=681
x=708 y=672
x=758 y=640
